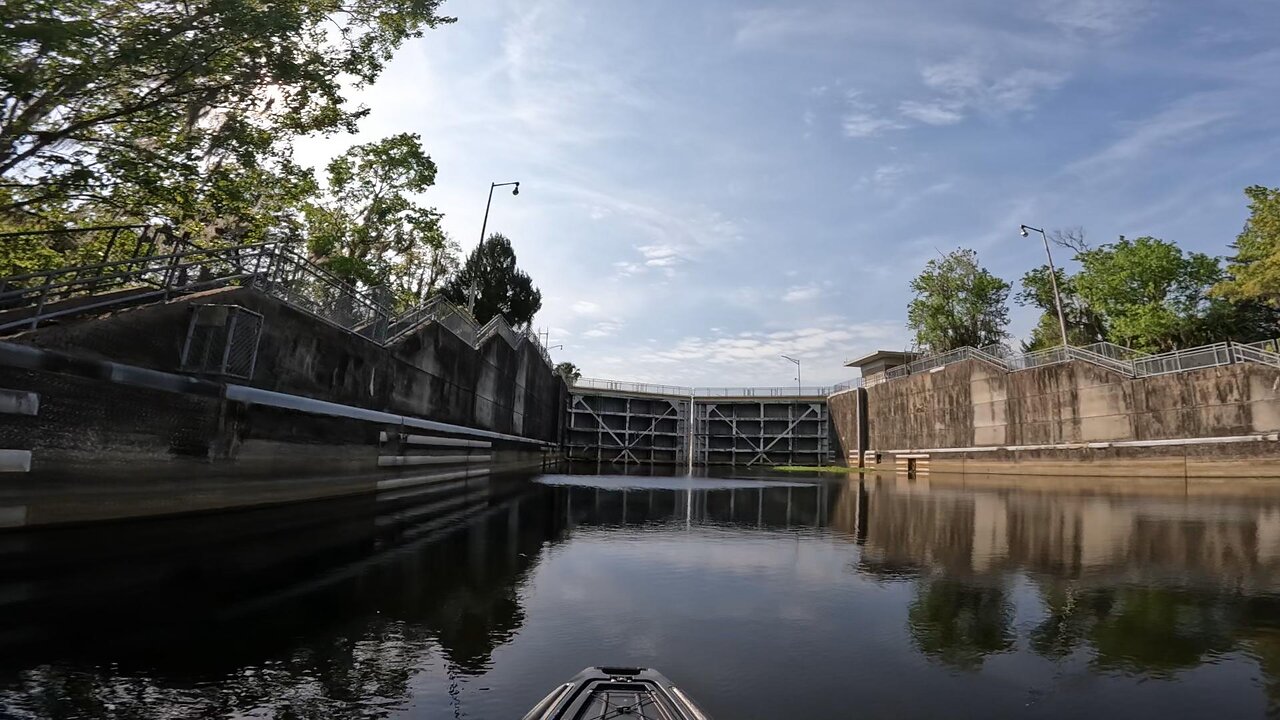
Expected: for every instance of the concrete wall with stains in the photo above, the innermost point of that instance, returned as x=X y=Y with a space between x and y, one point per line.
x=431 y=373
x=972 y=404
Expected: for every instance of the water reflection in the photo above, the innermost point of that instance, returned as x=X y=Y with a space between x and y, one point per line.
x=881 y=596
x=959 y=623
x=1145 y=586
x=328 y=610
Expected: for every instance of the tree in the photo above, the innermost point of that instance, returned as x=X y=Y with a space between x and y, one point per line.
x=1254 y=271
x=1084 y=326
x=501 y=287
x=1151 y=294
x=175 y=109
x=958 y=303
x=368 y=230
x=569 y=372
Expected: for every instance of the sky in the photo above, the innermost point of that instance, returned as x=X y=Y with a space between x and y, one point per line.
x=708 y=186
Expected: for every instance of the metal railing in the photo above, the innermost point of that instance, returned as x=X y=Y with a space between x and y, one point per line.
x=32 y=298
x=847 y=385
x=303 y=284
x=632 y=387
x=1123 y=360
x=498 y=326
x=275 y=268
x=702 y=392
x=1181 y=360
x=1266 y=352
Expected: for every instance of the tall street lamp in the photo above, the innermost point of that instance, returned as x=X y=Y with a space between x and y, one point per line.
x=514 y=191
x=1053 y=279
x=797 y=362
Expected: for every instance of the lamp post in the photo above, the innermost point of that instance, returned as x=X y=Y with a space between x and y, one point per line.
x=797 y=362
x=514 y=191
x=1053 y=280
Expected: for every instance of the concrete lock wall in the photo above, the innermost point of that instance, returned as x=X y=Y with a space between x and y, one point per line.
x=1222 y=419
x=431 y=373
x=105 y=425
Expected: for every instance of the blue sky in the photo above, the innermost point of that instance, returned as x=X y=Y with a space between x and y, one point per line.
x=706 y=186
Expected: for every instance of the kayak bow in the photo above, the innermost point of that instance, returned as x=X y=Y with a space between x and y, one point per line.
x=604 y=693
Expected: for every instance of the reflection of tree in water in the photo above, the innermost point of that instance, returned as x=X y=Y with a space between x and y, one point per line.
x=1152 y=631
x=345 y=649
x=960 y=624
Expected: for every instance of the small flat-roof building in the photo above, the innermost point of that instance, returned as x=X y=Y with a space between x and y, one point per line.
x=874 y=365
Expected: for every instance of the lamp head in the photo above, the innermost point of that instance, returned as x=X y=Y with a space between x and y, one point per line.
x=516 y=189
x=1022 y=229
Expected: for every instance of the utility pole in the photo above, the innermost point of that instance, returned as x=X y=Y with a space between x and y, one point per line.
x=797 y=362
x=1053 y=279
x=485 y=224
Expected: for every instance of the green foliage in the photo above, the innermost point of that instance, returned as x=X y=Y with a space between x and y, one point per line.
x=502 y=288
x=958 y=303
x=367 y=229
x=1084 y=326
x=1151 y=295
x=1254 y=271
x=569 y=372
x=181 y=111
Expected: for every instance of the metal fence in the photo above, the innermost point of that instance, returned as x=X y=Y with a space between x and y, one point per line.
x=1266 y=352
x=139 y=264
x=498 y=326
x=1181 y=360
x=1118 y=358
x=32 y=298
x=703 y=392
x=302 y=283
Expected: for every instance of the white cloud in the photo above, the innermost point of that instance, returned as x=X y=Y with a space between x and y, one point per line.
x=884 y=177
x=801 y=293
x=931 y=113
x=585 y=307
x=862 y=119
x=602 y=329
x=660 y=255
x=1177 y=124
x=754 y=357
x=1103 y=17
x=627 y=269
x=966 y=84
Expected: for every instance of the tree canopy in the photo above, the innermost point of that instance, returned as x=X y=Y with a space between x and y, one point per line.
x=180 y=111
x=366 y=228
x=957 y=303
x=569 y=372
x=1084 y=325
x=1147 y=294
x=1152 y=295
x=1253 y=274
x=502 y=288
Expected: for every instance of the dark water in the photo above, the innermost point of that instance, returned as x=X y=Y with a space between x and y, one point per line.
x=838 y=599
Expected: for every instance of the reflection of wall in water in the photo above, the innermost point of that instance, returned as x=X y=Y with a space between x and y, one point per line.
x=982 y=532
x=375 y=585
x=766 y=507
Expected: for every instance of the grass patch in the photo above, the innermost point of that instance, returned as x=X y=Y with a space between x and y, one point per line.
x=833 y=469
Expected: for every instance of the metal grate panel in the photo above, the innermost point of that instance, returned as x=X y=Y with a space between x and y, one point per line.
x=222 y=340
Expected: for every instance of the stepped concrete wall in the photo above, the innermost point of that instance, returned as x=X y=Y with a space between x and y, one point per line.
x=431 y=373
x=979 y=416
x=109 y=427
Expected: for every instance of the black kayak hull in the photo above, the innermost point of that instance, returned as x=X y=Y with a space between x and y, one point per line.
x=599 y=693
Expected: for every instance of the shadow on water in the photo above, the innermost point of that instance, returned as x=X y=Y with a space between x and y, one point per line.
x=472 y=601
x=318 y=610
